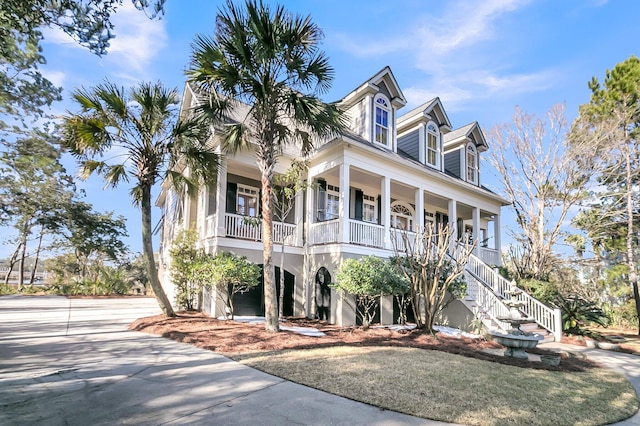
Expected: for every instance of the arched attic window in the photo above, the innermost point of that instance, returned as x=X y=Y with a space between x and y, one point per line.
x=472 y=163
x=382 y=122
x=432 y=151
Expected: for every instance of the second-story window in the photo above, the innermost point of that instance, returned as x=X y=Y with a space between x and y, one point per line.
x=432 y=151
x=247 y=201
x=369 y=208
x=382 y=111
x=333 y=202
x=472 y=164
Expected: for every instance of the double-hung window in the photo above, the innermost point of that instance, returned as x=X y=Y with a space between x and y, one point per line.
x=333 y=202
x=382 y=129
x=472 y=164
x=368 y=208
x=432 y=151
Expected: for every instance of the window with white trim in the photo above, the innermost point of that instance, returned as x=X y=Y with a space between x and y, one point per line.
x=382 y=113
x=369 y=208
x=401 y=216
x=247 y=201
x=333 y=203
x=433 y=149
x=472 y=164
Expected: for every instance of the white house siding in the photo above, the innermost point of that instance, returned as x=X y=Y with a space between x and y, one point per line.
x=358 y=169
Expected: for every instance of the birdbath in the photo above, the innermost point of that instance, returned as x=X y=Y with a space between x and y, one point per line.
x=515 y=340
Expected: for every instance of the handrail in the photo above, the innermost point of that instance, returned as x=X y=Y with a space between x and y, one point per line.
x=543 y=315
x=491 y=304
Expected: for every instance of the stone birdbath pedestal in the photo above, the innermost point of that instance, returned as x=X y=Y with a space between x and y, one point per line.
x=515 y=340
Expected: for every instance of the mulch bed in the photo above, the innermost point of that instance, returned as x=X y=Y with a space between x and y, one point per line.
x=233 y=338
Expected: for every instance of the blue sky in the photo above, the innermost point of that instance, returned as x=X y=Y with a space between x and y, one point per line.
x=482 y=58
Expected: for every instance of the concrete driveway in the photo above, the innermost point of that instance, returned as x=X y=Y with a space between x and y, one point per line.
x=73 y=362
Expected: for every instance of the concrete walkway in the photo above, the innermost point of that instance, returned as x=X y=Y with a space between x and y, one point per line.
x=72 y=362
x=626 y=364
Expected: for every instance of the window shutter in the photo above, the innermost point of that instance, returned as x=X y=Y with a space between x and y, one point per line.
x=379 y=210
x=321 y=200
x=359 y=200
x=232 y=192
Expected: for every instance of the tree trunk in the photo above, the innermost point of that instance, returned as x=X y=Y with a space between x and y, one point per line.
x=12 y=263
x=281 y=301
x=147 y=252
x=633 y=276
x=270 y=299
x=35 y=263
x=23 y=254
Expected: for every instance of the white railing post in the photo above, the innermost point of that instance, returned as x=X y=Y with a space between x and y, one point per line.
x=557 y=323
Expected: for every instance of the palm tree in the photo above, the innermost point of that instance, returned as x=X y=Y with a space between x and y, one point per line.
x=269 y=60
x=140 y=128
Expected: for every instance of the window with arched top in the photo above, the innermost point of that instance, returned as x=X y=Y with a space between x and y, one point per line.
x=402 y=215
x=432 y=152
x=382 y=117
x=472 y=164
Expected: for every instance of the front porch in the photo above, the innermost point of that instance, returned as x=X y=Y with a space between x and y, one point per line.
x=346 y=204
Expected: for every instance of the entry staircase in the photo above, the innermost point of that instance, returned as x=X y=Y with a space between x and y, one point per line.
x=486 y=293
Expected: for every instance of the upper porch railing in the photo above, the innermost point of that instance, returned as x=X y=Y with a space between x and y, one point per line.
x=372 y=235
x=250 y=228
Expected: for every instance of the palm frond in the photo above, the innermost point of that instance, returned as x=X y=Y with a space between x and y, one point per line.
x=88 y=167
x=115 y=174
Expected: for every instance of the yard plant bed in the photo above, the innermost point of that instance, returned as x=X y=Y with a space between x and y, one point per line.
x=442 y=378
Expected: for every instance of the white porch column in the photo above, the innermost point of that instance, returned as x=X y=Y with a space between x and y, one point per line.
x=385 y=210
x=419 y=220
x=475 y=215
x=453 y=222
x=343 y=205
x=496 y=237
x=299 y=218
x=221 y=200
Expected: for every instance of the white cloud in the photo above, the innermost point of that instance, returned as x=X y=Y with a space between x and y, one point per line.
x=138 y=39
x=455 y=52
x=55 y=77
x=464 y=23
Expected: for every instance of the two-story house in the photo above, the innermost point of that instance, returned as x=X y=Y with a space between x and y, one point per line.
x=388 y=173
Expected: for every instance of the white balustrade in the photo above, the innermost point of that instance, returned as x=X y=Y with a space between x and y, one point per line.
x=365 y=233
x=545 y=316
x=325 y=232
x=284 y=232
x=250 y=228
x=490 y=256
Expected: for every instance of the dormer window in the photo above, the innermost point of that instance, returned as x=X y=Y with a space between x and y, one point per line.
x=472 y=164
x=382 y=110
x=433 y=146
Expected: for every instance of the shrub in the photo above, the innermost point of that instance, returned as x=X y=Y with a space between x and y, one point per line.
x=228 y=273
x=578 y=313
x=184 y=255
x=368 y=278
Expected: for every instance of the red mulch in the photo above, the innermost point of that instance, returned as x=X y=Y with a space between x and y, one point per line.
x=230 y=337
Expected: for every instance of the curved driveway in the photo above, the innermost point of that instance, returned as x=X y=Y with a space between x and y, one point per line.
x=73 y=362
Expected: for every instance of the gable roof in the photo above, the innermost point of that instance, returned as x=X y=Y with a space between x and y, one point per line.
x=464 y=133
x=371 y=86
x=431 y=109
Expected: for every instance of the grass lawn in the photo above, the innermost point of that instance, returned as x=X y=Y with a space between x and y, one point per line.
x=452 y=388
